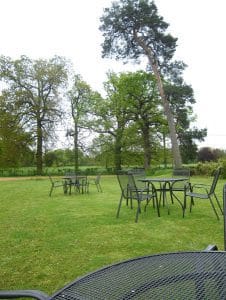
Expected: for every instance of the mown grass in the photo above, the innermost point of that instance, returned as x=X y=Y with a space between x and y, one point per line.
x=46 y=242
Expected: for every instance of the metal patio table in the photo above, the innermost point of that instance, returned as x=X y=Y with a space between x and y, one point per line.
x=165 y=185
x=182 y=275
x=70 y=178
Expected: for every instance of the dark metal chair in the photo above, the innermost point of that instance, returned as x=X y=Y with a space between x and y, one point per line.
x=208 y=193
x=82 y=184
x=129 y=190
x=138 y=174
x=224 y=206
x=56 y=184
x=96 y=181
x=24 y=294
x=179 y=186
x=214 y=247
x=78 y=181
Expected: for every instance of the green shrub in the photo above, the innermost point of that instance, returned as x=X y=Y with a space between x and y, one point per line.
x=205 y=169
x=223 y=171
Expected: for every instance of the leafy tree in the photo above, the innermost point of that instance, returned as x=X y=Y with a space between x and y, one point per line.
x=81 y=102
x=210 y=154
x=112 y=116
x=140 y=92
x=129 y=115
x=60 y=157
x=189 y=148
x=133 y=29
x=102 y=150
x=181 y=99
x=15 y=143
x=206 y=154
x=34 y=88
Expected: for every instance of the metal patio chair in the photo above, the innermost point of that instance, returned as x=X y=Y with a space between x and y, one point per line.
x=56 y=184
x=224 y=206
x=96 y=181
x=208 y=192
x=214 y=247
x=179 y=186
x=138 y=174
x=129 y=190
x=82 y=184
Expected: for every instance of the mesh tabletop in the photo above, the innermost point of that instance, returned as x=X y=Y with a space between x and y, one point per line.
x=183 y=275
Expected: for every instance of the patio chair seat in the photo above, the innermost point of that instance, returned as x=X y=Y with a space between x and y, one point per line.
x=208 y=193
x=197 y=195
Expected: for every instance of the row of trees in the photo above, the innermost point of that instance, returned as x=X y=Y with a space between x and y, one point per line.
x=61 y=157
x=137 y=115
x=127 y=122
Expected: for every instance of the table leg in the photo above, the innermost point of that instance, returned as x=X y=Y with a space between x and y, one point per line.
x=164 y=190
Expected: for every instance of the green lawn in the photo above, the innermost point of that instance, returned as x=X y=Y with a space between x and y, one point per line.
x=46 y=242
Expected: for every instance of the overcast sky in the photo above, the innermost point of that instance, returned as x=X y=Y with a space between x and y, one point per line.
x=43 y=28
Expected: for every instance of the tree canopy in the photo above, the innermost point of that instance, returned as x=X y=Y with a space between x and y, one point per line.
x=33 y=88
x=133 y=29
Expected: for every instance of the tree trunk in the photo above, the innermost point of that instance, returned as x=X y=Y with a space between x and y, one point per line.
x=164 y=150
x=39 y=161
x=165 y=103
x=147 y=147
x=118 y=150
x=75 y=146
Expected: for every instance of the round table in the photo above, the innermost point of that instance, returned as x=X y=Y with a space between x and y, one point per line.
x=169 y=276
x=165 y=185
x=183 y=275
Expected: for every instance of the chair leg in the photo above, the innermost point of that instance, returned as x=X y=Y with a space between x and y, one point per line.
x=214 y=209
x=185 y=204
x=138 y=211
x=171 y=193
x=50 y=193
x=218 y=203
x=127 y=197
x=192 y=203
x=147 y=202
x=65 y=188
x=157 y=204
x=100 y=188
x=119 y=206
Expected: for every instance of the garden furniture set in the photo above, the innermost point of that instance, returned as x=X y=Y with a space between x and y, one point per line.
x=80 y=183
x=179 y=182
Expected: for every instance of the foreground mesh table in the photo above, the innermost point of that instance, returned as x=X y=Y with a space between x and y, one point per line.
x=185 y=275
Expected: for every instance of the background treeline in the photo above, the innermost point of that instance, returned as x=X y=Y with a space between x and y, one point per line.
x=142 y=118
x=58 y=162
x=126 y=126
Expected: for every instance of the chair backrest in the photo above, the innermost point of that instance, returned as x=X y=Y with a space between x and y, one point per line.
x=183 y=172
x=137 y=175
x=70 y=174
x=51 y=179
x=97 y=179
x=179 y=173
x=132 y=182
x=137 y=171
x=215 y=180
x=123 y=183
x=224 y=208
